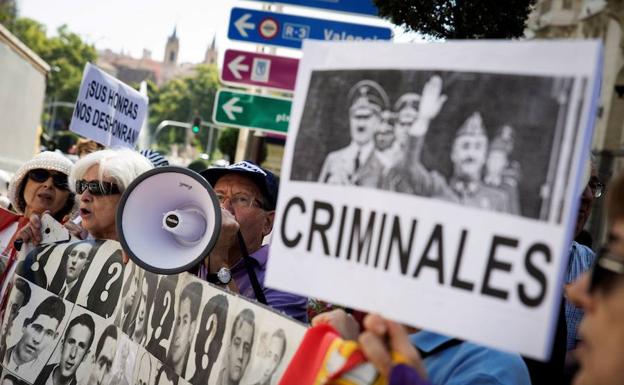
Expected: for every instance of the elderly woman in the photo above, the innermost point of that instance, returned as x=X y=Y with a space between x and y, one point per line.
x=98 y=179
x=39 y=185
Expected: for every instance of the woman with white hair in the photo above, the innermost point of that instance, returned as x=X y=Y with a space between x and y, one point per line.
x=98 y=179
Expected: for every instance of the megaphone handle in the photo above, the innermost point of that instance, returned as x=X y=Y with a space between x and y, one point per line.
x=253 y=279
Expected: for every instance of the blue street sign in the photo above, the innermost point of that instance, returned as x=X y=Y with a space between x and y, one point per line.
x=289 y=31
x=364 y=7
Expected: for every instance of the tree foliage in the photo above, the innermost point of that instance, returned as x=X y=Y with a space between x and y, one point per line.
x=459 y=19
x=181 y=99
x=66 y=53
x=228 y=140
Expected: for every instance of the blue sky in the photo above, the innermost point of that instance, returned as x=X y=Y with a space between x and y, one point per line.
x=133 y=25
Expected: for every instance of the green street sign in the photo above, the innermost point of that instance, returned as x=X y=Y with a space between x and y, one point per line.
x=246 y=110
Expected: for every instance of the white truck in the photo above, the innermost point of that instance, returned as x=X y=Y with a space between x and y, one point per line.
x=22 y=93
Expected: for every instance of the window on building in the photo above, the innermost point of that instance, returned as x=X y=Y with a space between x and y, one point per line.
x=567 y=4
x=172 y=56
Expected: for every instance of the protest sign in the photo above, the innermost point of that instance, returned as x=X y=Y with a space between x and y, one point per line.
x=436 y=183
x=98 y=321
x=107 y=110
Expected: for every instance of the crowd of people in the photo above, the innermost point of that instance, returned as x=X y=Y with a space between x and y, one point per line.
x=84 y=197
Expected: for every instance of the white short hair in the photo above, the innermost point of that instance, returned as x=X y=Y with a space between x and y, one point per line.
x=122 y=165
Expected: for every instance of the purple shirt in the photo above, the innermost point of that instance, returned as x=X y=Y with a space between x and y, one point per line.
x=291 y=304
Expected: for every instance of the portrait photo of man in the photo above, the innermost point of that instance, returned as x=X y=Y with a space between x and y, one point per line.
x=38 y=333
x=129 y=301
x=74 y=348
x=367 y=101
x=104 y=356
x=19 y=297
x=74 y=264
x=185 y=325
x=273 y=357
x=469 y=155
x=238 y=351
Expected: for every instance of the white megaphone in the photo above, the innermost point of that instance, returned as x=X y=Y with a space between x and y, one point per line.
x=168 y=220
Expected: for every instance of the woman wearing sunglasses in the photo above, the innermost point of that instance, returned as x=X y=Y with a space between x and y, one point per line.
x=39 y=185
x=601 y=295
x=99 y=179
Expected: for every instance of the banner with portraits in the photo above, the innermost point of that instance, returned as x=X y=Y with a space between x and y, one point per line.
x=76 y=314
x=437 y=184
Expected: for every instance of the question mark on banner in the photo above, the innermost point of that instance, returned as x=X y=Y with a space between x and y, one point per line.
x=35 y=265
x=167 y=304
x=117 y=268
x=211 y=326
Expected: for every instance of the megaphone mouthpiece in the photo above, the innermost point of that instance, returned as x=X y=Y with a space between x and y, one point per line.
x=187 y=225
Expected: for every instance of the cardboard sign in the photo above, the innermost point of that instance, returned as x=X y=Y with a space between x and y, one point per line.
x=436 y=183
x=103 y=322
x=107 y=110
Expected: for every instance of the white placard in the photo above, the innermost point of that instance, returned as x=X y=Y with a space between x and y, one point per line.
x=107 y=110
x=460 y=222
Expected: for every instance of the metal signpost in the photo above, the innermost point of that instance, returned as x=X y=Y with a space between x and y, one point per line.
x=247 y=110
x=256 y=69
x=289 y=31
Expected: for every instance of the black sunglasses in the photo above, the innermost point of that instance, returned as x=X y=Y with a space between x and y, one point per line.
x=96 y=187
x=40 y=175
x=606 y=271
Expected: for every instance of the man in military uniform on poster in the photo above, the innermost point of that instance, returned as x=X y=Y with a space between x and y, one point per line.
x=468 y=155
x=367 y=101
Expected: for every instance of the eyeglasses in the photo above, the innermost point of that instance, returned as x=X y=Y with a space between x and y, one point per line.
x=240 y=200
x=596 y=187
x=606 y=271
x=96 y=187
x=40 y=175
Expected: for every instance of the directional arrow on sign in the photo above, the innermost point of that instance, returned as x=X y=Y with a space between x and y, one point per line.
x=247 y=110
x=242 y=25
x=230 y=108
x=236 y=66
x=259 y=70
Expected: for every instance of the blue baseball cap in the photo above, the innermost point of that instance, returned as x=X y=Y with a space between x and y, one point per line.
x=267 y=182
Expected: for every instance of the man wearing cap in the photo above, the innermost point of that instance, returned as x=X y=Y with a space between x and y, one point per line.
x=468 y=154
x=247 y=194
x=367 y=100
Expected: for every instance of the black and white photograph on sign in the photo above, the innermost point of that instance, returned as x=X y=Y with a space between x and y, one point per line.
x=137 y=329
x=34 y=333
x=163 y=316
x=123 y=365
x=102 y=296
x=484 y=140
x=129 y=297
x=73 y=267
x=63 y=268
x=275 y=341
x=186 y=318
x=238 y=344
x=18 y=296
x=145 y=368
x=11 y=379
x=73 y=359
x=104 y=356
x=209 y=339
